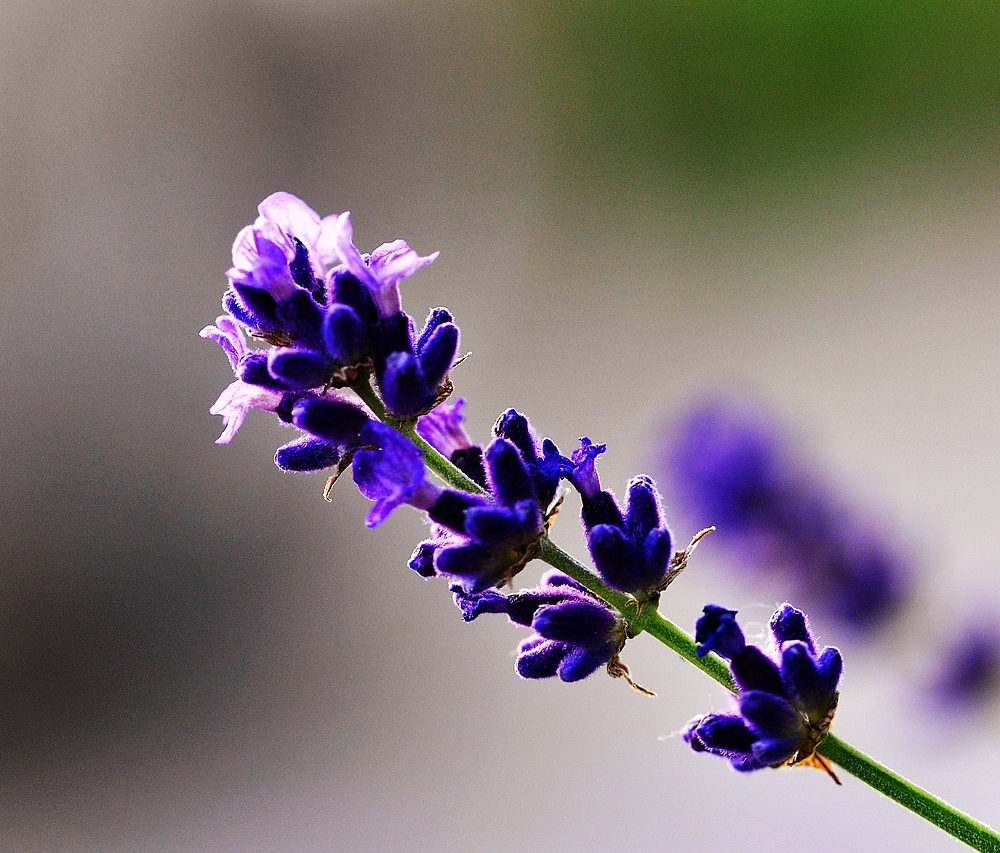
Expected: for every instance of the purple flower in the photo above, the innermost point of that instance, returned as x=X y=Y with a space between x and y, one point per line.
x=307 y=454
x=413 y=372
x=547 y=467
x=483 y=541
x=239 y=397
x=383 y=269
x=442 y=428
x=575 y=632
x=631 y=550
x=584 y=476
x=389 y=469
x=732 y=468
x=279 y=268
x=968 y=670
x=717 y=631
x=785 y=707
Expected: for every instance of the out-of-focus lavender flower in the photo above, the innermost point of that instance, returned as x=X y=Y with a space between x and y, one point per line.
x=785 y=708
x=732 y=467
x=967 y=677
x=633 y=549
x=575 y=632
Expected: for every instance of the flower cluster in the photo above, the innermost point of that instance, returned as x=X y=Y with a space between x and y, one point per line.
x=332 y=315
x=785 y=706
x=732 y=467
x=346 y=367
x=575 y=632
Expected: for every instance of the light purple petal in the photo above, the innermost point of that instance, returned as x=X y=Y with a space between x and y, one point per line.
x=293 y=216
x=261 y=255
x=350 y=257
x=326 y=242
x=390 y=475
x=228 y=335
x=234 y=403
x=442 y=428
x=392 y=262
x=245 y=248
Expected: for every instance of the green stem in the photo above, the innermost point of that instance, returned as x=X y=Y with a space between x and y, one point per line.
x=363 y=388
x=957 y=824
x=645 y=618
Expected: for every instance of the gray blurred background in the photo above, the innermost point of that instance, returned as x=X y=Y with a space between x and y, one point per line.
x=633 y=203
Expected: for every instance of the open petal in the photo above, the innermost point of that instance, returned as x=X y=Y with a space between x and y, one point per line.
x=292 y=215
x=342 y=236
x=392 y=262
x=238 y=399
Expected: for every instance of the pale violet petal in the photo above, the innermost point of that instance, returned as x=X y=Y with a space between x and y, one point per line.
x=244 y=249
x=343 y=238
x=234 y=403
x=326 y=243
x=392 y=262
x=293 y=216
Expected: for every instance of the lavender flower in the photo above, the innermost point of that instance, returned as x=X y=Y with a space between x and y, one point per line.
x=390 y=471
x=484 y=541
x=575 y=632
x=239 y=397
x=443 y=429
x=413 y=371
x=733 y=468
x=329 y=326
x=785 y=708
x=547 y=467
x=382 y=270
x=632 y=550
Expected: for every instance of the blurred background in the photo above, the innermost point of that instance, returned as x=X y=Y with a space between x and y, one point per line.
x=634 y=203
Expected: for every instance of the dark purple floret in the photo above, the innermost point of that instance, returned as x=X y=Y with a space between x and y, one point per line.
x=331 y=419
x=717 y=631
x=484 y=540
x=632 y=550
x=785 y=706
x=412 y=375
x=547 y=467
x=422 y=559
x=727 y=735
x=788 y=624
x=253 y=369
x=308 y=454
x=298 y=369
x=733 y=468
x=575 y=633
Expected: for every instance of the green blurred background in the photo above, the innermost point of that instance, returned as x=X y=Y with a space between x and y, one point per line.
x=778 y=110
